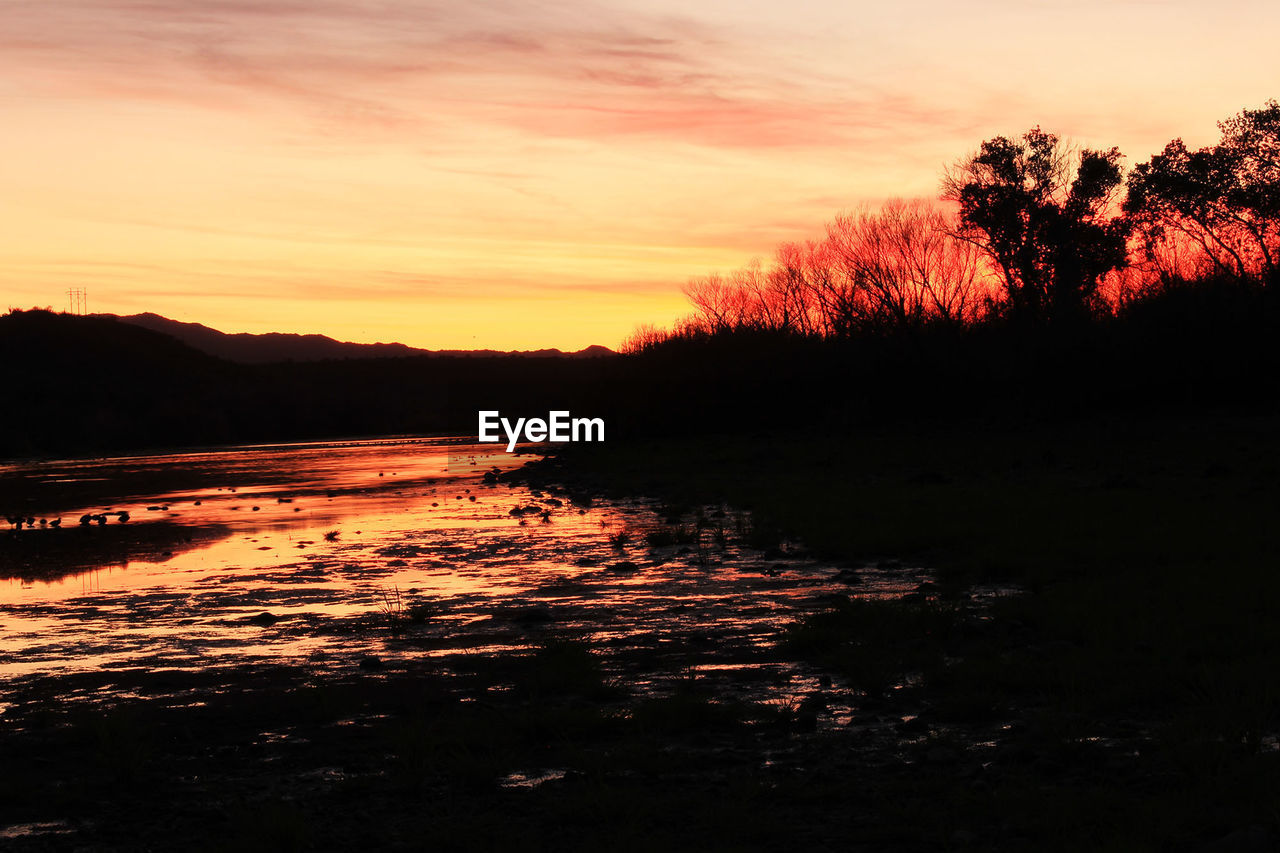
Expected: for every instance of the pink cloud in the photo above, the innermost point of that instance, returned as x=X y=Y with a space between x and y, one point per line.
x=403 y=67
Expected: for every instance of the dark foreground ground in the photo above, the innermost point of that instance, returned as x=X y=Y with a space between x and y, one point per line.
x=1126 y=693
x=1124 y=700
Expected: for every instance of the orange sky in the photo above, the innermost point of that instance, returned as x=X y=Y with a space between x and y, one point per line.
x=527 y=174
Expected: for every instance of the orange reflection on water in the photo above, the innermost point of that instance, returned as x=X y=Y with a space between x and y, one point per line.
x=321 y=548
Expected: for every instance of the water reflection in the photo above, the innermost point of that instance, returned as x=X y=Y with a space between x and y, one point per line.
x=327 y=554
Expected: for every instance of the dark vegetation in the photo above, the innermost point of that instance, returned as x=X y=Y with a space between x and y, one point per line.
x=1037 y=234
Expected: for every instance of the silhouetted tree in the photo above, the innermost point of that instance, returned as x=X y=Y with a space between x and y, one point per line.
x=645 y=337
x=717 y=304
x=893 y=268
x=1224 y=198
x=830 y=297
x=1042 y=214
x=795 y=269
x=751 y=299
x=907 y=265
x=771 y=301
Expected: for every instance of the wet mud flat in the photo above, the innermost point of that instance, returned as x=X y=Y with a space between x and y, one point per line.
x=541 y=724
x=559 y=742
x=484 y=657
x=458 y=660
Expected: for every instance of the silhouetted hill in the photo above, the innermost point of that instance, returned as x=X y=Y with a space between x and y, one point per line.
x=94 y=384
x=89 y=347
x=91 y=382
x=246 y=348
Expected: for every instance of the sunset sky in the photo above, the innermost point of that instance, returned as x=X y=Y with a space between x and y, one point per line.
x=528 y=174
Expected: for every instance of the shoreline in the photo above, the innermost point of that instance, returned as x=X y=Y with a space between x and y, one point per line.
x=1069 y=716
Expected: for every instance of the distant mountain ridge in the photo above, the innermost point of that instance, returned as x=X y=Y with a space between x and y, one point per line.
x=92 y=385
x=248 y=348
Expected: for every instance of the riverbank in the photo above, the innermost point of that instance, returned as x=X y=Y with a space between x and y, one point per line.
x=1144 y=550
x=978 y=637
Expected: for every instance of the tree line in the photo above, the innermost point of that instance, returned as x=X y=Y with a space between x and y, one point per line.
x=1031 y=230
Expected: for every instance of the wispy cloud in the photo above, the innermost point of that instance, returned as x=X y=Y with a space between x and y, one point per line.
x=564 y=70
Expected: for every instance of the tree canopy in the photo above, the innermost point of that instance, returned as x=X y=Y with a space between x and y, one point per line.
x=1225 y=198
x=1042 y=215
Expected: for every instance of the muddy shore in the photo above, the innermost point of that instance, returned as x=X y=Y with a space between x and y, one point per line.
x=879 y=705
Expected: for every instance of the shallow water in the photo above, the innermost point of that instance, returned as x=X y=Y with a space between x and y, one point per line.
x=422 y=557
